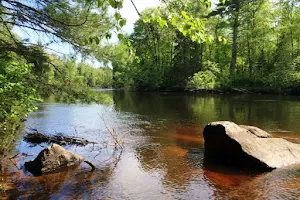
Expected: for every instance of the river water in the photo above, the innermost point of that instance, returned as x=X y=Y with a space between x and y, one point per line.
x=163 y=155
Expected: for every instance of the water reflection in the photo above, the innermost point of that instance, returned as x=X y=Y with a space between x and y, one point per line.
x=164 y=149
x=279 y=184
x=73 y=182
x=269 y=112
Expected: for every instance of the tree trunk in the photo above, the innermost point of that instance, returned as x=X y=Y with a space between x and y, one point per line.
x=234 y=46
x=298 y=48
x=249 y=57
x=235 y=38
x=217 y=56
x=201 y=56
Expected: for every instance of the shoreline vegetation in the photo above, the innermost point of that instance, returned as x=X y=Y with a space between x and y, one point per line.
x=235 y=90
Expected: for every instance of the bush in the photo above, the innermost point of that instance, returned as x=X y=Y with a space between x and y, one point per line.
x=202 y=80
x=17 y=95
x=209 y=78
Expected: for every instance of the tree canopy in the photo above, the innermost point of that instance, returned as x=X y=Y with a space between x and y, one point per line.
x=250 y=44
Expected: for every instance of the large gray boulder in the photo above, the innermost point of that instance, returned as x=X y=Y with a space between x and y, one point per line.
x=52 y=158
x=248 y=146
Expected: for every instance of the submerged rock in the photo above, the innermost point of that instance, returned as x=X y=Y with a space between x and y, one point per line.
x=248 y=146
x=52 y=158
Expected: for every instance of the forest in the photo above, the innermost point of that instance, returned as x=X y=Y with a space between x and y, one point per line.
x=183 y=45
x=243 y=44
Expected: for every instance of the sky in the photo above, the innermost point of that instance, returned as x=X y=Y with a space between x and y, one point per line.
x=62 y=49
x=131 y=15
x=127 y=12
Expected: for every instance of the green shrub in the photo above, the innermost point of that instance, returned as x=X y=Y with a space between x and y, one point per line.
x=17 y=94
x=202 y=80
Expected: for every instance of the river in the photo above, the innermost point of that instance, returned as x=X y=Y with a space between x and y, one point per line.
x=163 y=156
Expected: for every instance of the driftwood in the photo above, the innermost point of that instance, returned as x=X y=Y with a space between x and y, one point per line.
x=38 y=138
x=241 y=90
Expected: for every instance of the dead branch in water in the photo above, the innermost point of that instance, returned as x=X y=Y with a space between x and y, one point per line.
x=113 y=134
x=36 y=137
x=241 y=90
x=33 y=136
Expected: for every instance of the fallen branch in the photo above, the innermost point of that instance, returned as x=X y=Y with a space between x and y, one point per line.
x=241 y=90
x=38 y=138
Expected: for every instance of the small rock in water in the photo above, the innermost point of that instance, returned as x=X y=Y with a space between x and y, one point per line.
x=52 y=158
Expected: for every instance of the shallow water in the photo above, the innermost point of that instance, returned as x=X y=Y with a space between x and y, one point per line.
x=163 y=156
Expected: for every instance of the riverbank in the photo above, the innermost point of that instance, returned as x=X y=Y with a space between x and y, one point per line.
x=232 y=90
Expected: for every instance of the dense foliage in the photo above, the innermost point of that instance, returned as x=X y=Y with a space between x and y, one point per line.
x=249 y=44
x=23 y=83
x=29 y=73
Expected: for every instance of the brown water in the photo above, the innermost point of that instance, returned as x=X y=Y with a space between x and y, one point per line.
x=163 y=156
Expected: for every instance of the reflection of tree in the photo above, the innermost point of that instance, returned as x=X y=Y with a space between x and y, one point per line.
x=171 y=160
x=72 y=183
x=171 y=154
x=224 y=180
x=278 y=184
x=188 y=135
x=171 y=106
x=265 y=111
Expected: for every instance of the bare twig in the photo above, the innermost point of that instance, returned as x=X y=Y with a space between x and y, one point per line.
x=135 y=8
x=113 y=134
x=90 y=164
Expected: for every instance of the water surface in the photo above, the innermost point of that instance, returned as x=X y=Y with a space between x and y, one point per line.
x=163 y=156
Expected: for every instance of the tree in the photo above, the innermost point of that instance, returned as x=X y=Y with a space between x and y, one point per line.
x=75 y=23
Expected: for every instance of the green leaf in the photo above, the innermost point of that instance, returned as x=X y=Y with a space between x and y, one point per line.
x=108 y=36
x=184 y=15
x=119 y=4
x=162 y=23
x=138 y=60
x=174 y=20
x=97 y=40
x=208 y=4
x=122 y=22
x=117 y=16
x=220 y=38
x=113 y=4
x=210 y=39
x=194 y=38
x=187 y=26
x=146 y=19
x=120 y=36
x=99 y=3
